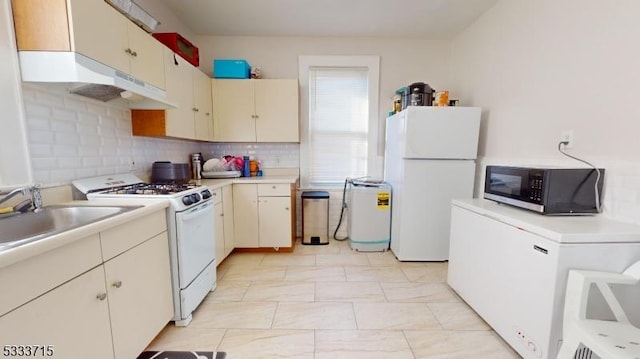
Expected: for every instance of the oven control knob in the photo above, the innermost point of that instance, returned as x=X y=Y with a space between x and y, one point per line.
x=187 y=200
x=195 y=198
x=206 y=194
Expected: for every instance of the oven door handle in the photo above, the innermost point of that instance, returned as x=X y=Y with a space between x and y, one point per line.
x=197 y=211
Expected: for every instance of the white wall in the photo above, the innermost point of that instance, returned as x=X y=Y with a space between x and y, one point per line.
x=14 y=157
x=402 y=61
x=541 y=67
x=168 y=21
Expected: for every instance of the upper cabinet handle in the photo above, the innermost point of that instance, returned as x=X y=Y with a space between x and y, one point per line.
x=117 y=284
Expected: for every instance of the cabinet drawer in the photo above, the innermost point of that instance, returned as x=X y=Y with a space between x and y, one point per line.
x=117 y=240
x=274 y=189
x=30 y=278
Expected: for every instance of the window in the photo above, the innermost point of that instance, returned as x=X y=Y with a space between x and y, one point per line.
x=339 y=123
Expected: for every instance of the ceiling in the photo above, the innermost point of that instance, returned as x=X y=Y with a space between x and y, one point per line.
x=428 y=19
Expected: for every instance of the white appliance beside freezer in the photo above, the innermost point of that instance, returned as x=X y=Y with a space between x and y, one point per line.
x=429 y=160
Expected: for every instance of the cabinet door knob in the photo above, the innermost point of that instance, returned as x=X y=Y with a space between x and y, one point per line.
x=127 y=51
x=221 y=214
x=286 y=208
x=208 y=114
x=102 y=296
x=274 y=187
x=134 y=54
x=195 y=109
x=117 y=284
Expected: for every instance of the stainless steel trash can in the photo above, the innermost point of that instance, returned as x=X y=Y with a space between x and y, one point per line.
x=315 y=217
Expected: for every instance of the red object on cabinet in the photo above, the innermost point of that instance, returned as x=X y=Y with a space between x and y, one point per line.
x=180 y=46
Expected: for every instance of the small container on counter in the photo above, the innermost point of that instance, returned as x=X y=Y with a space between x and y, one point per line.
x=245 y=171
x=253 y=167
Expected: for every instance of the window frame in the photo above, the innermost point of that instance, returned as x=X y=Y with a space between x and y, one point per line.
x=372 y=63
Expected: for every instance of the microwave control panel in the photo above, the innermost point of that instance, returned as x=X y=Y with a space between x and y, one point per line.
x=536 y=183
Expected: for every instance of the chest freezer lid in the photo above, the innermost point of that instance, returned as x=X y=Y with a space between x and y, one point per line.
x=560 y=229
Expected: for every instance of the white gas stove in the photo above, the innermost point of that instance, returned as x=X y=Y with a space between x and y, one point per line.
x=190 y=229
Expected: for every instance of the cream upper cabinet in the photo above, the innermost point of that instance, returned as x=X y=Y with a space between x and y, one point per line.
x=92 y=28
x=233 y=119
x=179 y=121
x=190 y=89
x=276 y=104
x=146 y=58
x=202 y=106
x=264 y=110
x=100 y=32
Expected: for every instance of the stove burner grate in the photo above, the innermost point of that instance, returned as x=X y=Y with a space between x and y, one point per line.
x=150 y=189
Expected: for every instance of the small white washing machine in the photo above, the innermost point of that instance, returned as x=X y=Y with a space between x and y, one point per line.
x=369 y=209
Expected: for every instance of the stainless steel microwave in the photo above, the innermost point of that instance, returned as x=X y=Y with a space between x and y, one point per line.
x=555 y=191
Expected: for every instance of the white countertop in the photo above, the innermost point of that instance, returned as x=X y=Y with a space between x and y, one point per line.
x=217 y=183
x=15 y=254
x=560 y=229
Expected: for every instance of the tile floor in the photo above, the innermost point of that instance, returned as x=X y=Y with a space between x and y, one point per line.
x=331 y=302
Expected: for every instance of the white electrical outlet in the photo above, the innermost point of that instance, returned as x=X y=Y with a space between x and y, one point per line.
x=567 y=136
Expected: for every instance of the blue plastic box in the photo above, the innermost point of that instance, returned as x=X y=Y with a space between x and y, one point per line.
x=231 y=69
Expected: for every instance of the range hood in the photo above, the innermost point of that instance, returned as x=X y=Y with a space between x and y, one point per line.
x=87 y=77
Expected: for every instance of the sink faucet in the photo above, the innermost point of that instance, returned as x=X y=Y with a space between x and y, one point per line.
x=33 y=192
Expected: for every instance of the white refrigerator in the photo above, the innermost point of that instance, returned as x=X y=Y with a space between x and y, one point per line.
x=429 y=160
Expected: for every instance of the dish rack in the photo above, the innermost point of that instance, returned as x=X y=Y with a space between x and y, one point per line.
x=221 y=174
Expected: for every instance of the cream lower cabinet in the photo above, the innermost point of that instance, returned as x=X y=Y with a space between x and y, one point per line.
x=71 y=318
x=263 y=215
x=274 y=221
x=110 y=311
x=218 y=220
x=139 y=295
x=227 y=209
x=245 y=215
x=264 y=110
x=223 y=219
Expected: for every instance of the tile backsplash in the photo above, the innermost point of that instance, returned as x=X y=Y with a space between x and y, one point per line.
x=73 y=137
x=270 y=155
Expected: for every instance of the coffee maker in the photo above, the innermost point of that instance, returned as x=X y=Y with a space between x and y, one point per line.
x=420 y=94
